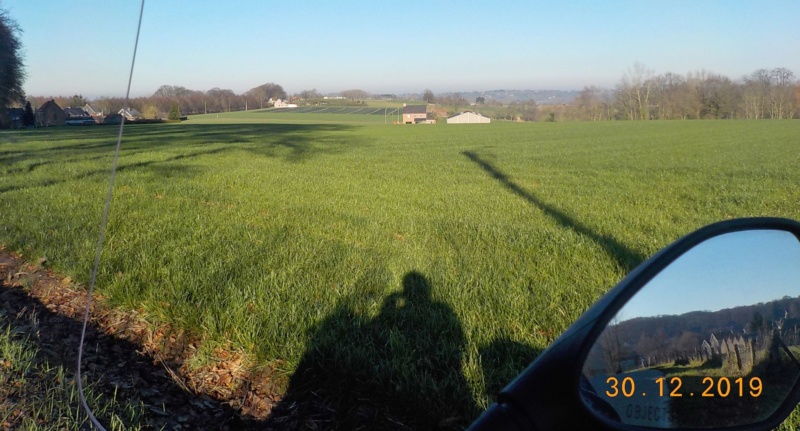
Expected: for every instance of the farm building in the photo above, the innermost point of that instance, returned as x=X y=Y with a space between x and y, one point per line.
x=113 y=119
x=77 y=117
x=413 y=114
x=11 y=118
x=74 y=113
x=468 y=117
x=283 y=104
x=50 y=114
x=95 y=113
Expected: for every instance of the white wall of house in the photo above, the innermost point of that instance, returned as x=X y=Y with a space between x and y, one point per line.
x=468 y=118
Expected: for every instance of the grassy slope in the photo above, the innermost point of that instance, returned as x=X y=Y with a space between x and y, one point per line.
x=284 y=237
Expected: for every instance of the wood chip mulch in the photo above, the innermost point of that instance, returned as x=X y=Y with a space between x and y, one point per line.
x=127 y=356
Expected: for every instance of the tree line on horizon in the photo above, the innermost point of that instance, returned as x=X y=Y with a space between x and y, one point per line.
x=643 y=95
x=170 y=97
x=639 y=95
x=665 y=335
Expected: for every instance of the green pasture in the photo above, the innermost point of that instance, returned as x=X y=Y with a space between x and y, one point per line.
x=391 y=103
x=407 y=270
x=305 y=115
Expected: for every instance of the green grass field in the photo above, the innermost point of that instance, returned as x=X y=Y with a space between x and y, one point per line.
x=354 y=115
x=425 y=265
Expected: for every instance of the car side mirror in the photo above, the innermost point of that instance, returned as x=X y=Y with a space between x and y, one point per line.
x=711 y=341
x=703 y=335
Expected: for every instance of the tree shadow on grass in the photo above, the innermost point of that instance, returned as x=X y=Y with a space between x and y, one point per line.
x=156 y=165
x=626 y=257
x=292 y=143
x=399 y=370
x=301 y=140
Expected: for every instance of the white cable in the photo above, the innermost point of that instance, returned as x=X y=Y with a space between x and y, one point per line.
x=85 y=404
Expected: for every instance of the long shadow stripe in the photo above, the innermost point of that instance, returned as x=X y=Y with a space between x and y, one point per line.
x=624 y=255
x=51 y=182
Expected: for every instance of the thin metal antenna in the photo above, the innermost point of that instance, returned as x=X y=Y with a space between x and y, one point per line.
x=85 y=404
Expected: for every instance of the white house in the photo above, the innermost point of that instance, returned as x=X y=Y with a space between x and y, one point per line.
x=283 y=104
x=468 y=117
x=130 y=114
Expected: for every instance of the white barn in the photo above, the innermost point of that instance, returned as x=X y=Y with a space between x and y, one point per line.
x=468 y=117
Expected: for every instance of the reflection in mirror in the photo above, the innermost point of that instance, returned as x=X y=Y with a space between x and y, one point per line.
x=713 y=340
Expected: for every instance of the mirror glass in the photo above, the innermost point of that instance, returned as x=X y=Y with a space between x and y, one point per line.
x=712 y=341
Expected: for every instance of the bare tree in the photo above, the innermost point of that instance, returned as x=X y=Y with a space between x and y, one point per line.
x=756 y=91
x=519 y=111
x=781 y=97
x=634 y=92
x=590 y=105
x=166 y=91
x=796 y=99
x=189 y=101
x=355 y=94
x=669 y=94
x=611 y=347
x=220 y=100
x=310 y=94
x=110 y=105
x=712 y=96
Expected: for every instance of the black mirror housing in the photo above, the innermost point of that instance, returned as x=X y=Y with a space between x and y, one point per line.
x=547 y=394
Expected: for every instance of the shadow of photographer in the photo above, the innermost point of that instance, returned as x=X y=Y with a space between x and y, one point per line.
x=401 y=369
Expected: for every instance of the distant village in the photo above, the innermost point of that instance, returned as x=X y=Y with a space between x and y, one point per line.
x=50 y=114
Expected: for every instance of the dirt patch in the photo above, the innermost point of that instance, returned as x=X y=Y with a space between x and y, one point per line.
x=125 y=355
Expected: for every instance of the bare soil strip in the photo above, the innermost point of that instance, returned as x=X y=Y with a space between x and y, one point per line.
x=126 y=355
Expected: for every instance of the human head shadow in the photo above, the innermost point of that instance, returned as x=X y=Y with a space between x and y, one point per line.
x=114 y=368
x=398 y=370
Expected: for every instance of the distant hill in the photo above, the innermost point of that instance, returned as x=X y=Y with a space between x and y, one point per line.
x=542 y=97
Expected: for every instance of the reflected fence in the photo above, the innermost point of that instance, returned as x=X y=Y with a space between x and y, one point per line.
x=732 y=354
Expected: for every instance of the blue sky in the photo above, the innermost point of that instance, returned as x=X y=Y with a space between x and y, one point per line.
x=381 y=46
x=741 y=268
